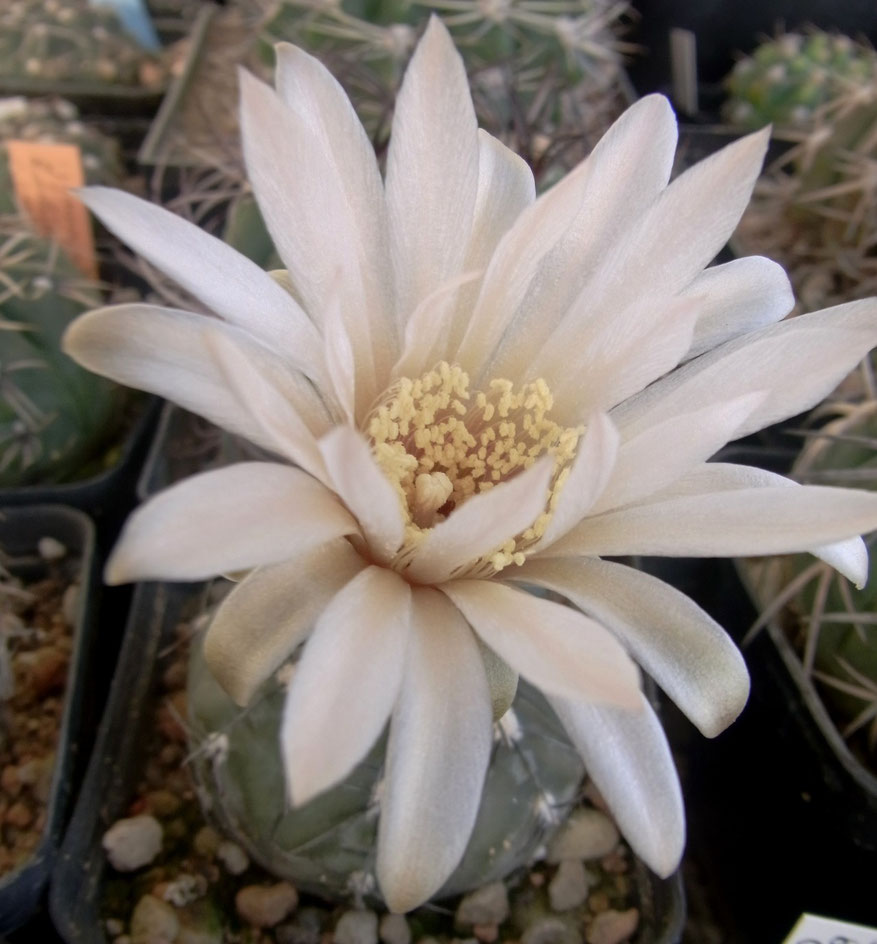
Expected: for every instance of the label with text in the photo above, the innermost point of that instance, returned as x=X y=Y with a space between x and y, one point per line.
x=43 y=175
x=814 y=929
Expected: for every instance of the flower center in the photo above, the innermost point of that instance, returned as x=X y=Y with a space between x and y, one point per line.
x=440 y=443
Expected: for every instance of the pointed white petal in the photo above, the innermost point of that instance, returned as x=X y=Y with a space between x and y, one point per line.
x=663 y=453
x=591 y=470
x=440 y=742
x=166 y=351
x=269 y=411
x=595 y=370
x=322 y=202
x=627 y=756
x=684 y=650
x=432 y=170
x=555 y=647
x=546 y=257
x=735 y=523
x=340 y=358
x=482 y=524
x=798 y=362
x=223 y=279
x=364 y=489
x=737 y=297
x=226 y=520
x=269 y=613
x=346 y=682
x=849 y=557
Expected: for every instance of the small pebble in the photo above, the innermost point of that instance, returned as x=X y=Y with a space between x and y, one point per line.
x=133 y=842
x=19 y=815
x=263 y=906
x=569 y=887
x=206 y=842
x=486 y=905
x=486 y=933
x=587 y=834
x=153 y=921
x=613 y=927
x=394 y=929
x=50 y=549
x=185 y=889
x=232 y=857
x=548 y=930
x=70 y=604
x=162 y=803
x=48 y=671
x=358 y=926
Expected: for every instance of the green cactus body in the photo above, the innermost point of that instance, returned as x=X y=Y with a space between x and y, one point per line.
x=327 y=846
x=54 y=415
x=839 y=648
x=52 y=41
x=785 y=81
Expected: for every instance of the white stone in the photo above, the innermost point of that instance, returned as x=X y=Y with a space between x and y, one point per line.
x=50 y=549
x=569 y=887
x=132 y=843
x=587 y=834
x=486 y=905
x=394 y=929
x=233 y=858
x=357 y=927
x=153 y=920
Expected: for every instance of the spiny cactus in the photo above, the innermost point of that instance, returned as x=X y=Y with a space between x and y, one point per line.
x=55 y=41
x=787 y=79
x=54 y=120
x=815 y=208
x=53 y=414
x=833 y=624
x=327 y=846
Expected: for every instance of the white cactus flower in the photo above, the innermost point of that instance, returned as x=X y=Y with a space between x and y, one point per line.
x=468 y=389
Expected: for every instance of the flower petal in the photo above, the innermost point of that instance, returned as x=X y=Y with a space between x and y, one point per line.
x=627 y=756
x=663 y=453
x=590 y=472
x=364 y=489
x=346 y=682
x=684 y=650
x=440 y=742
x=270 y=412
x=740 y=522
x=482 y=524
x=432 y=170
x=224 y=280
x=229 y=519
x=269 y=613
x=544 y=259
x=555 y=647
x=168 y=352
x=798 y=362
x=738 y=297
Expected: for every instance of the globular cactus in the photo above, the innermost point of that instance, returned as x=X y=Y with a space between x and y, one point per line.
x=327 y=846
x=54 y=415
x=54 y=120
x=55 y=41
x=833 y=624
x=787 y=79
x=815 y=208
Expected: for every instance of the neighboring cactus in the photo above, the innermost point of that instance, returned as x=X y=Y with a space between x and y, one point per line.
x=815 y=208
x=833 y=624
x=327 y=846
x=54 y=414
x=54 y=120
x=59 y=41
x=787 y=79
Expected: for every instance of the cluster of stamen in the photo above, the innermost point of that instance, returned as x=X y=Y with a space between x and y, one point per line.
x=440 y=443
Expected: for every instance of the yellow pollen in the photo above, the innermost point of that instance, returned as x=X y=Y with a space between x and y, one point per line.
x=439 y=444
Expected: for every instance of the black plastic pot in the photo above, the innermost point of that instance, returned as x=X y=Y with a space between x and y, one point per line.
x=116 y=766
x=20 y=530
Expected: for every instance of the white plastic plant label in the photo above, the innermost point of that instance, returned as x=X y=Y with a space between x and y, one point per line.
x=814 y=929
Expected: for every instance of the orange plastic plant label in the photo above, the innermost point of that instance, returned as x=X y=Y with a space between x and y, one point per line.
x=42 y=175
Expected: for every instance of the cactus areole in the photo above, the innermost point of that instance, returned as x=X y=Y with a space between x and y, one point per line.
x=469 y=392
